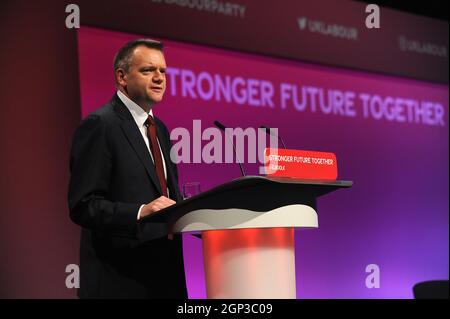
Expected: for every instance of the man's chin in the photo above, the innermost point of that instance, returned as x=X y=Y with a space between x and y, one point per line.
x=155 y=99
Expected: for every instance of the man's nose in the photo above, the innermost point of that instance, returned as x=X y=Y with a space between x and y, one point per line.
x=158 y=77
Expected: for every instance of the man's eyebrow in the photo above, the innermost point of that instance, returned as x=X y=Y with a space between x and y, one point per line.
x=153 y=66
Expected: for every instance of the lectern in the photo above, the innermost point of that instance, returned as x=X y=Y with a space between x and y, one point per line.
x=247 y=231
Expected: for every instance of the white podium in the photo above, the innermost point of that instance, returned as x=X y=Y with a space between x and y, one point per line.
x=247 y=231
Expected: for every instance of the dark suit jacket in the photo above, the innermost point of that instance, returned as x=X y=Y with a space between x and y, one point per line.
x=112 y=175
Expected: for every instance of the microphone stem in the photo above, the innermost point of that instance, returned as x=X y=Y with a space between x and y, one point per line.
x=235 y=152
x=282 y=142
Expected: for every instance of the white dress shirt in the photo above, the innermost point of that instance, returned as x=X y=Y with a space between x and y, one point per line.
x=140 y=116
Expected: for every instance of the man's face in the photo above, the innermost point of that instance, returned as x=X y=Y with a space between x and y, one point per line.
x=145 y=81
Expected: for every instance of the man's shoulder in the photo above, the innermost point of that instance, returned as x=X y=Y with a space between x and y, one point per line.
x=105 y=114
x=160 y=123
x=103 y=118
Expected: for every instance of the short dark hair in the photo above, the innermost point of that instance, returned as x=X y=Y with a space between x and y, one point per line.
x=124 y=55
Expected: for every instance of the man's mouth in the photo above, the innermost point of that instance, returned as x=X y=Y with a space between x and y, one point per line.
x=156 y=89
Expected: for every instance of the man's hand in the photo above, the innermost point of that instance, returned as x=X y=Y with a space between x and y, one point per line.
x=156 y=205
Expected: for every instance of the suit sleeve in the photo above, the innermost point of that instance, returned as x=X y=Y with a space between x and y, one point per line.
x=90 y=168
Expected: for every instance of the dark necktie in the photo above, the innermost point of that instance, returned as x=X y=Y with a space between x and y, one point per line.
x=157 y=157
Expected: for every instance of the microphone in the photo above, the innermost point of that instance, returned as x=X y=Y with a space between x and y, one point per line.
x=222 y=127
x=219 y=125
x=269 y=132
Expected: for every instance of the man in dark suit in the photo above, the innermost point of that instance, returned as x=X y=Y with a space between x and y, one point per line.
x=120 y=172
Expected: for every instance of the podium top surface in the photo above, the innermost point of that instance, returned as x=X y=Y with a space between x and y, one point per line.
x=256 y=193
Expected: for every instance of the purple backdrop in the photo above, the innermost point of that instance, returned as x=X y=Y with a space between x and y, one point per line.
x=395 y=215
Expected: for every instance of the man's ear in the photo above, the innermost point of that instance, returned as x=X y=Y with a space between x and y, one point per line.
x=121 y=77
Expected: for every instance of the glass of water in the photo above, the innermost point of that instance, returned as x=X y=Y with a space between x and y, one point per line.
x=191 y=189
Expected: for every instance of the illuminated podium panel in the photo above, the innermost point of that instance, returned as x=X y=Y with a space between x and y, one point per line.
x=247 y=232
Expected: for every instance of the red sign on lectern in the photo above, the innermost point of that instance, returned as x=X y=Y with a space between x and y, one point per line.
x=300 y=164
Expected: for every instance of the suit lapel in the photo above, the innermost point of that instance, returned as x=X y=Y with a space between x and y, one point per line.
x=134 y=137
x=165 y=147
